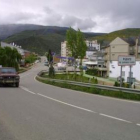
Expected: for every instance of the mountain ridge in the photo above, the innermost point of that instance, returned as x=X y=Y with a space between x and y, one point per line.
x=41 y=38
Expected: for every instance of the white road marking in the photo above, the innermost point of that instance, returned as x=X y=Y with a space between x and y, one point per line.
x=115 y=118
x=66 y=103
x=105 y=115
x=27 y=90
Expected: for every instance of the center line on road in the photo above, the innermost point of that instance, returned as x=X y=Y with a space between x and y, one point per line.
x=59 y=101
x=115 y=118
x=27 y=90
x=66 y=103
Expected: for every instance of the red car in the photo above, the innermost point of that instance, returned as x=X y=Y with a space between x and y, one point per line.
x=9 y=76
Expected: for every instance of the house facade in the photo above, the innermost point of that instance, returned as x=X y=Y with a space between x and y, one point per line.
x=117 y=47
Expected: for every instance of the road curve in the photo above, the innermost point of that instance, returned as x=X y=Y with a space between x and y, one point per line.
x=36 y=111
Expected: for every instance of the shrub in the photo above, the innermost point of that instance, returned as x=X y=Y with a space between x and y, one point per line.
x=51 y=71
x=116 y=84
x=93 y=72
x=96 y=81
x=95 y=90
x=126 y=85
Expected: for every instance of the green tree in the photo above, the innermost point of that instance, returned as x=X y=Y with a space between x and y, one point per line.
x=49 y=57
x=30 y=59
x=72 y=42
x=50 y=60
x=9 y=57
x=81 y=47
x=76 y=44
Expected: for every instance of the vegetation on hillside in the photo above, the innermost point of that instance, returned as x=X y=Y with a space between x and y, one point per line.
x=41 y=40
x=125 y=33
x=38 y=43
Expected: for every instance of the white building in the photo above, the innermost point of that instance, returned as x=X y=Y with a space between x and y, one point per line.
x=92 y=48
x=120 y=46
x=64 y=49
x=115 y=71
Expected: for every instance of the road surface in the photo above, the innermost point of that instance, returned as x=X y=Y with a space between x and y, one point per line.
x=36 y=111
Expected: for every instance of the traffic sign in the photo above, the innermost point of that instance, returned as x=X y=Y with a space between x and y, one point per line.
x=126 y=60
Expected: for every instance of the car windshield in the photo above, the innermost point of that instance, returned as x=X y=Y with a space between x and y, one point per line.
x=8 y=70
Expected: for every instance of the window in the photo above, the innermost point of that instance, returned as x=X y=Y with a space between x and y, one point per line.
x=8 y=70
x=131 y=74
x=123 y=73
x=113 y=54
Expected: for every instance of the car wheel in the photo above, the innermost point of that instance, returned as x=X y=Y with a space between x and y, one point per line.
x=17 y=84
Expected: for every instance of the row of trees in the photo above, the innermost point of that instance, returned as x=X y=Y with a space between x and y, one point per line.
x=9 y=57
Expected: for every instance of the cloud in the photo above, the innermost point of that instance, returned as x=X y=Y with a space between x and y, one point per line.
x=14 y=17
x=89 y=15
x=52 y=17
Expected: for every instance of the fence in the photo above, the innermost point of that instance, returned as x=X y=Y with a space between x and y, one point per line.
x=128 y=90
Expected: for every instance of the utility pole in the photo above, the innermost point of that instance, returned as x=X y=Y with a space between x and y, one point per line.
x=121 y=77
x=130 y=78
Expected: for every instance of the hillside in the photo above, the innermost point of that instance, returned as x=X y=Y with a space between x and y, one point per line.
x=38 y=43
x=125 y=33
x=40 y=40
x=11 y=29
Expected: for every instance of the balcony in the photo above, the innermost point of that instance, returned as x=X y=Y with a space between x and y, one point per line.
x=131 y=52
x=100 y=62
x=102 y=52
x=102 y=68
x=92 y=49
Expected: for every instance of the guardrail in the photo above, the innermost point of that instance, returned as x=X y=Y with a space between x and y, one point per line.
x=128 y=90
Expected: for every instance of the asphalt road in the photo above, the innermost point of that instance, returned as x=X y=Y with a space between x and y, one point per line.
x=36 y=111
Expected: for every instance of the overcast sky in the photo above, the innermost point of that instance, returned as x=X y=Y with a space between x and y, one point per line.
x=88 y=15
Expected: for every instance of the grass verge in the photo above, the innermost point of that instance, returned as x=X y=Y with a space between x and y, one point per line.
x=94 y=90
x=73 y=77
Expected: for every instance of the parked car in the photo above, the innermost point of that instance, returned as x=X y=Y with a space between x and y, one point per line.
x=46 y=63
x=9 y=75
x=61 y=68
x=37 y=61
